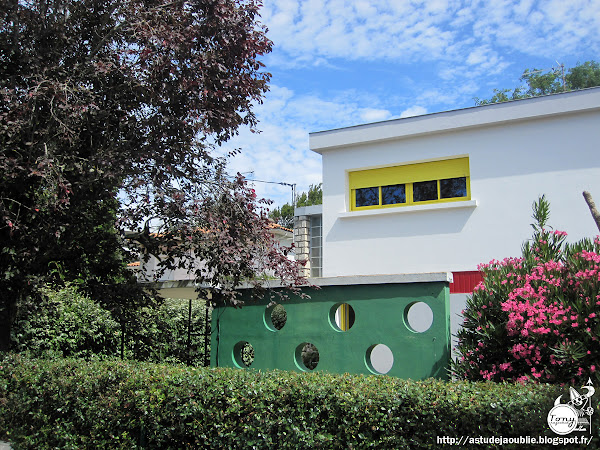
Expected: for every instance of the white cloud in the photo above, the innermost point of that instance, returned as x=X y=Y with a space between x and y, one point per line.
x=359 y=29
x=309 y=31
x=280 y=153
x=413 y=111
x=374 y=115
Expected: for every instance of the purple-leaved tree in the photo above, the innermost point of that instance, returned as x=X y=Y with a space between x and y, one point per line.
x=110 y=111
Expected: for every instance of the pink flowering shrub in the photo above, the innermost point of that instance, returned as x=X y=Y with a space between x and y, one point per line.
x=535 y=318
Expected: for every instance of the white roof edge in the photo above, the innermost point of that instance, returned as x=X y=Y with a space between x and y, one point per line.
x=476 y=116
x=308 y=210
x=383 y=279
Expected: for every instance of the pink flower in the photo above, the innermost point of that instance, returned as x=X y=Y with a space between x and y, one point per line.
x=535 y=373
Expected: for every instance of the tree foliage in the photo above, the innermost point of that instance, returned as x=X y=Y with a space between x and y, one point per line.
x=284 y=216
x=535 y=318
x=109 y=110
x=544 y=82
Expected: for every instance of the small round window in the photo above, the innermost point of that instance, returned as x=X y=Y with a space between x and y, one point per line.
x=379 y=359
x=418 y=317
x=275 y=317
x=306 y=356
x=243 y=354
x=342 y=317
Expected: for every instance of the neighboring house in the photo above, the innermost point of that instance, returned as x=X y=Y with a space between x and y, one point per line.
x=448 y=191
x=147 y=272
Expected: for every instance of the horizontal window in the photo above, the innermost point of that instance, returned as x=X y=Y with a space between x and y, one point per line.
x=410 y=184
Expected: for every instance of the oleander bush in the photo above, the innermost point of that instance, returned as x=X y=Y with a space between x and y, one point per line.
x=74 y=404
x=535 y=318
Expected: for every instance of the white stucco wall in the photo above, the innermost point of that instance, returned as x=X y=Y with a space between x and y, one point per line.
x=553 y=148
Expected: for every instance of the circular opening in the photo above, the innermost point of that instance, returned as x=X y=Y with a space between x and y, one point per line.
x=341 y=317
x=379 y=359
x=243 y=354
x=418 y=317
x=275 y=317
x=307 y=356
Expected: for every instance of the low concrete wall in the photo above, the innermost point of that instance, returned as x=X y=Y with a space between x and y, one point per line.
x=400 y=326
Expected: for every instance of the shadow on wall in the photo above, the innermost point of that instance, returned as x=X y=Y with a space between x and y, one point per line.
x=415 y=223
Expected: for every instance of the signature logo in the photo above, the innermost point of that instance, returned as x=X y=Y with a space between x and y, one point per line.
x=575 y=415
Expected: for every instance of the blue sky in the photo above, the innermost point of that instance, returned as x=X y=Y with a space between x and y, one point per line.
x=338 y=63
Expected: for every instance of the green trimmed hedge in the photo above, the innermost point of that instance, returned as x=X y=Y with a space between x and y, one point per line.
x=74 y=404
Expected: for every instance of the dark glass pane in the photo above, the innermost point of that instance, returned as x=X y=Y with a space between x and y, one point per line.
x=453 y=187
x=367 y=196
x=391 y=195
x=425 y=190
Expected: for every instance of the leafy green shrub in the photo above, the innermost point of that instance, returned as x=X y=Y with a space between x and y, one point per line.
x=64 y=322
x=278 y=317
x=535 y=318
x=72 y=404
x=61 y=321
x=310 y=356
x=161 y=334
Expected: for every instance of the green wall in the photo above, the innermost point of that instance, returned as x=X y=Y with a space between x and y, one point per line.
x=380 y=318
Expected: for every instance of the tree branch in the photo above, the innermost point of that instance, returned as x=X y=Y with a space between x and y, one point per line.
x=590 y=202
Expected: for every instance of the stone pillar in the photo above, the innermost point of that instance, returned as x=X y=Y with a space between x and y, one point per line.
x=302 y=242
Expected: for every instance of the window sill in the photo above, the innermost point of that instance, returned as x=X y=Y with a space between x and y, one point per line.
x=409 y=209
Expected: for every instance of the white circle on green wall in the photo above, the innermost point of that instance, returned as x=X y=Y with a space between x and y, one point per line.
x=379 y=359
x=418 y=317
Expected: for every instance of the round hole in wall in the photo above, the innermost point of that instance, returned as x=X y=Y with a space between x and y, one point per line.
x=379 y=359
x=243 y=354
x=306 y=356
x=418 y=317
x=275 y=317
x=341 y=317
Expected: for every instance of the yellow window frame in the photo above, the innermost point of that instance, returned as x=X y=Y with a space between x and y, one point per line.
x=408 y=174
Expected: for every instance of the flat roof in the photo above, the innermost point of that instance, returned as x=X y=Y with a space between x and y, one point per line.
x=187 y=288
x=476 y=116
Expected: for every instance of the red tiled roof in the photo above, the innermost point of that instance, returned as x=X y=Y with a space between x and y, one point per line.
x=276 y=225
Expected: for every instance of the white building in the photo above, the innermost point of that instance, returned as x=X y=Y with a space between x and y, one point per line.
x=447 y=191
